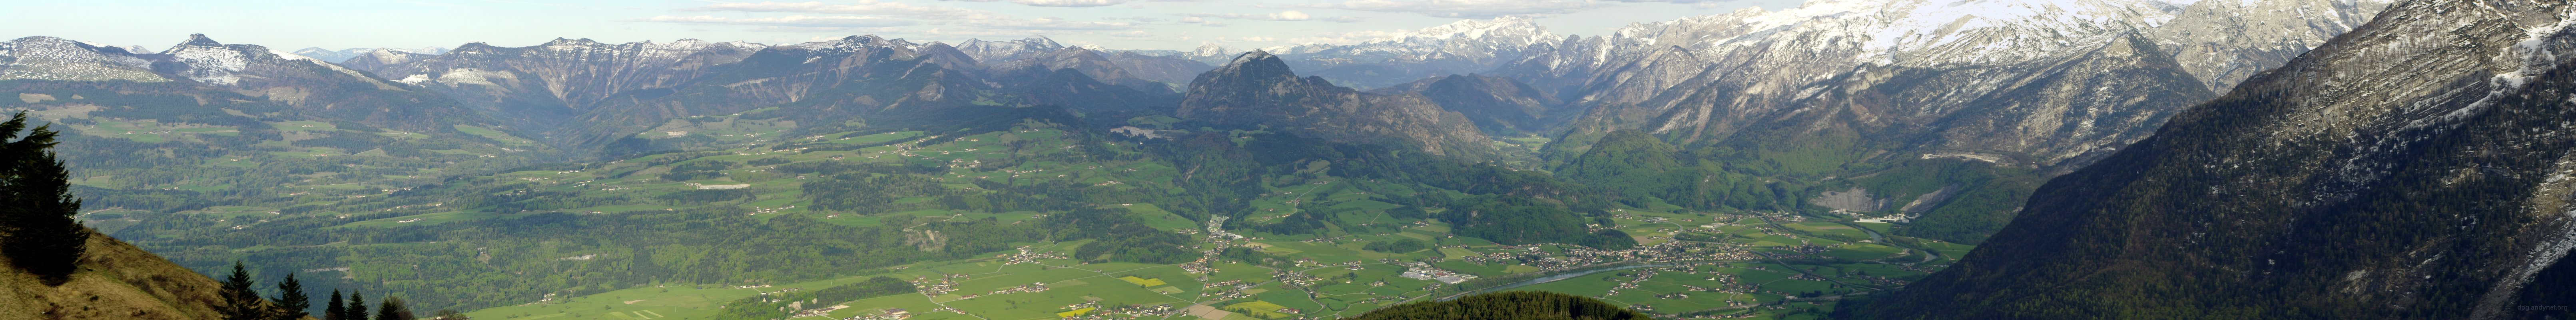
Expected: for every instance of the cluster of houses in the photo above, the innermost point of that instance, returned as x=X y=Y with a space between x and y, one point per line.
x=1424 y=271
x=1026 y=256
x=1030 y=288
x=945 y=284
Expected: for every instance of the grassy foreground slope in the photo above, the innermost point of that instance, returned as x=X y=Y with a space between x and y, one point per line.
x=116 y=281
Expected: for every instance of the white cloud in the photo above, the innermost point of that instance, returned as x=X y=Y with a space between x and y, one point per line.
x=788 y=21
x=1346 y=37
x=1131 y=34
x=1291 y=15
x=1046 y=24
x=1059 y=3
x=863 y=7
x=1343 y=19
x=1476 y=9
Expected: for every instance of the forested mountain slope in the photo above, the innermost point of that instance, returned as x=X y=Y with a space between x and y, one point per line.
x=2415 y=168
x=1258 y=89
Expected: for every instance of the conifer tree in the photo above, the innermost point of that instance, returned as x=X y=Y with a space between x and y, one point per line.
x=36 y=205
x=357 y=309
x=334 y=309
x=393 y=309
x=291 y=302
x=240 y=302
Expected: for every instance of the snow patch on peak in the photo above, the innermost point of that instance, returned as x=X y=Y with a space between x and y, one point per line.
x=1515 y=30
x=50 y=58
x=209 y=61
x=324 y=64
x=200 y=39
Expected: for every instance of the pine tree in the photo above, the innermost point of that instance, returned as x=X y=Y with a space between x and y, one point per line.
x=357 y=309
x=291 y=302
x=240 y=302
x=336 y=308
x=36 y=205
x=393 y=309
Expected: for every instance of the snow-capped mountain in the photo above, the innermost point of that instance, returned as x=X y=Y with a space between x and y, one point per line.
x=2415 y=168
x=863 y=74
x=336 y=56
x=561 y=78
x=2024 y=71
x=209 y=69
x=50 y=58
x=1467 y=39
x=1461 y=47
x=1007 y=50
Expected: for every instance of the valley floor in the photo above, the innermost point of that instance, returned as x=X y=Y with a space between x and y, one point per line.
x=1766 y=267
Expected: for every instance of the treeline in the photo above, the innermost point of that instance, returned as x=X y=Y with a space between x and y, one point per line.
x=1119 y=237
x=1398 y=246
x=1222 y=173
x=1513 y=305
x=1640 y=170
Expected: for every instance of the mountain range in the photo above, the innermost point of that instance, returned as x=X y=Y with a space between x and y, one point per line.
x=2086 y=147
x=2373 y=177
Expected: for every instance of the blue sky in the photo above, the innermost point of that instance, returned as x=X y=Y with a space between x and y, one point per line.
x=1121 y=24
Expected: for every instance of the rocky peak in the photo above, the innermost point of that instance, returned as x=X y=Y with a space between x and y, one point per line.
x=1210 y=49
x=1257 y=88
x=202 y=59
x=200 y=39
x=583 y=42
x=1251 y=66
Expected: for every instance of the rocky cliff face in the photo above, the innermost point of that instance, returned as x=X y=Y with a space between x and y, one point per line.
x=2007 y=77
x=547 y=83
x=2004 y=77
x=2417 y=167
x=2223 y=42
x=1258 y=89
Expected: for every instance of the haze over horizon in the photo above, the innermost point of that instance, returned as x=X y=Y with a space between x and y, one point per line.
x=1121 y=24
